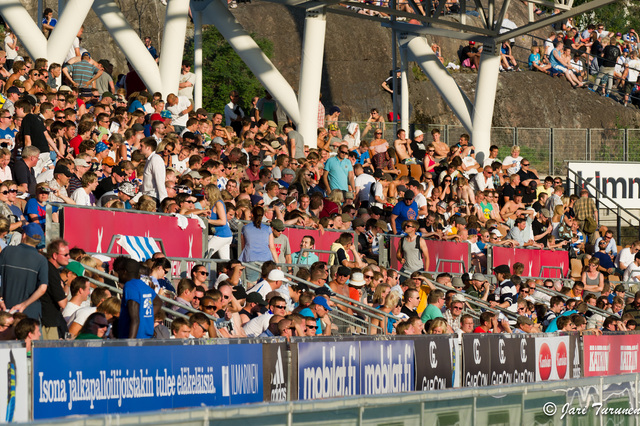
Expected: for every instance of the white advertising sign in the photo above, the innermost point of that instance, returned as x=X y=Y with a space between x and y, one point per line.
x=620 y=181
x=14 y=385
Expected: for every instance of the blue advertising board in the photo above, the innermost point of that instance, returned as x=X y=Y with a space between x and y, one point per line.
x=386 y=366
x=121 y=379
x=328 y=369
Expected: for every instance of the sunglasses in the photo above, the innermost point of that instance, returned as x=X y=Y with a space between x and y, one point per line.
x=205 y=273
x=313 y=327
x=280 y=306
x=207 y=307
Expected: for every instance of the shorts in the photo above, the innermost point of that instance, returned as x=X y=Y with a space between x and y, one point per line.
x=629 y=86
x=560 y=68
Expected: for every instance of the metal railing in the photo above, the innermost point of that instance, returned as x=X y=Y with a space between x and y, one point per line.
x=578 y=183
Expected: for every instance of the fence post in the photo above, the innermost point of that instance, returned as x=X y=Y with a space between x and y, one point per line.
x=588 y=145
x=551 y=168
x=618 y=225
x=625 y=149
x=515 y=136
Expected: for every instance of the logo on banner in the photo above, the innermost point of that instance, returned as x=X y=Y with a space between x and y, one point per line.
x=476 y=351
x=240 y=379
x=390 y=374
x=599 y=358
x=544 y=362
x=562 y=360
x=523 y=350
x=278 y=385
x=628 y=358
x=501 y=356
x=335 y=375
x=432 y=354
x=576 y=362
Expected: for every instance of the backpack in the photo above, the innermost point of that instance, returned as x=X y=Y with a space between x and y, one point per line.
x=590 y=225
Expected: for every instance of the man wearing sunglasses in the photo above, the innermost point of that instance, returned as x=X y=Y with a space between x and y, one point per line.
x=258 y=325
x=338 y=172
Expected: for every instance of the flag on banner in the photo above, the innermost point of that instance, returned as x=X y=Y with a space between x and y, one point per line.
x=139 y=248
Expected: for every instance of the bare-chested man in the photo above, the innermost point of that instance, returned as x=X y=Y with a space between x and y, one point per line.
x=442 y=149
x=403 y=150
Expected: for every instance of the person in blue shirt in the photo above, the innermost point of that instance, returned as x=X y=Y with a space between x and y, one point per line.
x=306 y=258
x=139 y=303
x=407 y=209
x=220 y=241
x=338 y=172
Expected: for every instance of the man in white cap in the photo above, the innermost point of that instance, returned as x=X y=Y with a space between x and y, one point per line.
x=356 y=286
x=418 y=147
x=273 y=282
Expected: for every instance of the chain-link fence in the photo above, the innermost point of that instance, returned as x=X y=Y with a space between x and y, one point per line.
x=546 y=148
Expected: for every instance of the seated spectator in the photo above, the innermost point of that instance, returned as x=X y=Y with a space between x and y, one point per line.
x=536 y=63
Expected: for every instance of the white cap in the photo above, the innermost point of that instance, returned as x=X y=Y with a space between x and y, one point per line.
x=418 y=133
x=276 y=275
x=458 y=298
x=496 y=232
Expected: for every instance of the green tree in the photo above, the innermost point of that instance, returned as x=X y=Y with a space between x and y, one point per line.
x=224 y=71
x=619 y=16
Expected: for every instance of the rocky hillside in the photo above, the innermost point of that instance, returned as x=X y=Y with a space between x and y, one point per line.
x=358 y=58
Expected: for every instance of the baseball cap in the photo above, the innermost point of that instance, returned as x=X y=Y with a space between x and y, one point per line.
x=458 y=298
x=377 y=210
x=442 y=204
x=472 y=42
x=239 y=292
x=108 y=161
x=545 y=212
x=76 y=268
x=324 y=290
x=478 y=277
x=408 y=195
x=276 y=275
x=219 y=141
x=118 y=170
x=268 y=161
x=277 y=224
x=256 y=297
x=155 y=117
x=418 y=133
x=34 y=230
x=344 y=271
x=348 y=195
x=358 y=221
x=346 y=217
x=473 y=231
x=138 y=127
x=320 y=300
x=195 y=174
x=61 y=169
x=165 y=114
x=378 y=173
x=502 y=269
x=271 y=123
x=382 y=225
x=457 y=282
x=13 y=89
x=86 y=54
x=81 y=162
x=106 y=94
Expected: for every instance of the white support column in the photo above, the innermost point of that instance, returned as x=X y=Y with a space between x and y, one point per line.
x=24 y=28
x=175 y=30
x=420 y=51
x=486 y=87
x=315 y=26
x=62 y=36
x=129 y=42
x=404 y=90
x=239 y=39
x=197 y=58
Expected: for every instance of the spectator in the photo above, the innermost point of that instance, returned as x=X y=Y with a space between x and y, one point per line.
x=435 y=302
x=139 y=303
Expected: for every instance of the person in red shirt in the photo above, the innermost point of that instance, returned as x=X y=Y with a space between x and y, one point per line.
x=488 y=321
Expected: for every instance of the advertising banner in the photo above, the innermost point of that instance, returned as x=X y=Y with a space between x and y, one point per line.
x=438 y=251
x=275 y=370
x=14 y=384
x=553 y=358
x=328 y=369
x=496 y=359
x=476 y=360
x=434 y=369
x=575 y=356
x=386 y=366
x=610 y=355
x=512 y=359
x=619 y=181
x=92 y=230
x=119 y=379
x=533 y=260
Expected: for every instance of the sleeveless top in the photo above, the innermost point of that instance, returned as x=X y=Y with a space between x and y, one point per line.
x=223 y=231
x=412 y=254
x=595 y=281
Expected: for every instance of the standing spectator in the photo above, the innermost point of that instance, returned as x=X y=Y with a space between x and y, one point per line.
x=24 y=274
x=153 y=179
x=406 y=210
x=632 y=69
x=610 y=54
x=10 y=46
x=139 y=303
x=281 y=241
x=187 y=81
x=506 y=289
x=55 y=299
x=233 y=113
x=412 y=250
x=152 y=50
x=338 y=172
x=179 y=107
x=257 y=243
x=82 y=74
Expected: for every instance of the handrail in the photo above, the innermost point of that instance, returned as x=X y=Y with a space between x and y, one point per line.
x=163 y=298
x=343 y=301
x=578 y=181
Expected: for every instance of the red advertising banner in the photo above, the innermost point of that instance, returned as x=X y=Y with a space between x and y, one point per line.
x=533 y=260
x=610 y=355
x=438 y=251
x=92 y=230
x=323 y=241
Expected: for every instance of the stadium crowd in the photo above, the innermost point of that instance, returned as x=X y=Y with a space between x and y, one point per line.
x=69 y=134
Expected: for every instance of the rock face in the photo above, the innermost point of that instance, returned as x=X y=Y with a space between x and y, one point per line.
x=357 y=60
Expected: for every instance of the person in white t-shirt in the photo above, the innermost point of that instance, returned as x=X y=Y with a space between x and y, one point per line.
x=80 y=291
x=363 y=182
x=632 y=69
x=512 y=162
x=626 y=256
x=632 y=272
x=179 y=107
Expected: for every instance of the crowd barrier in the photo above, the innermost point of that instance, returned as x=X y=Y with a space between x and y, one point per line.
x=451 y=256
x=454 y=257
x=93 y=229
x=95 y=377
